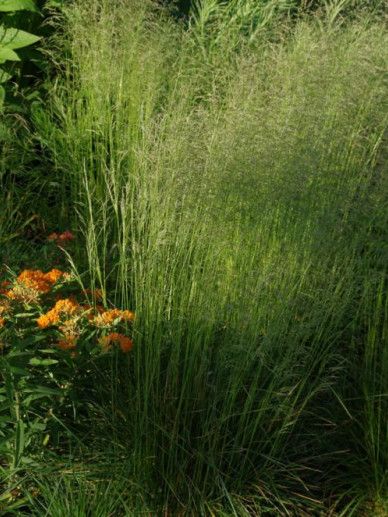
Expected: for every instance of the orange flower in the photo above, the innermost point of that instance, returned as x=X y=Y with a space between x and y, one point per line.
x=63 y=308
x=34 y=279
x=68 y=343
x=54 y=275
x=66 y=236
x=126 y=343
x=45 y=320
x=23 y=294
x=127 y=315
x=67 y=306
x=2 y=322
x=107 y=318
x=61 y=238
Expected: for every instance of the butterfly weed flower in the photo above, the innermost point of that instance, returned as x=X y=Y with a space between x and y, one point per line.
x=63 y=309
x=34 y=279
x=5 y=285
x=54 y=276
x=61 y=239
x=67 y=343
x=125 y=343
x=32 y=283
x=111 y=316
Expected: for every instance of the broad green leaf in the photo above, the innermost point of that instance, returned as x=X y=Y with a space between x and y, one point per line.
x=4 y=406
x=54 y=3
x=14 y=38
x=7 y=54
x=17 y=5
x=2 y=96
x=42 y=362
x=37 y=426
x=6 y=419
x=43 y=390
x=18 y=371
x=4 y=76
x=19 y=442
x=31 y=398
x=19 y=503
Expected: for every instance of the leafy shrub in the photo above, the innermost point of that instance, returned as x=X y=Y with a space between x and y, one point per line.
x=12 y=38
x=51 y=333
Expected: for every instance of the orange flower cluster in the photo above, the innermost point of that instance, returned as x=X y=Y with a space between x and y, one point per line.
x=36 y=279
x=31 y=283
x=61 y=310
x=61 y=238
x=69 y=316
x=109 y=317
x=124 y=342
x=67 y=343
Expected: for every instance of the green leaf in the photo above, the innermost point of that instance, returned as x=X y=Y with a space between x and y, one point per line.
x=4 y=406
x=31 y=398
x=42 y=362
x=15 y=38
x=18 y=371
x=7 y=54
x=19 y=442
x=4 y=76
x=37 y=425
x=17 y=5
x=57 y=4
x=44 y=390
x=2 y=96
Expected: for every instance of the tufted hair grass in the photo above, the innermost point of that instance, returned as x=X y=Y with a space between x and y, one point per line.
x=232 y=195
